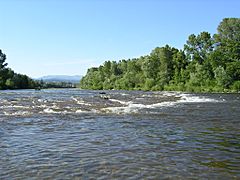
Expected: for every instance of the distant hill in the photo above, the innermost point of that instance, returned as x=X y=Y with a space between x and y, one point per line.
x=61 y=78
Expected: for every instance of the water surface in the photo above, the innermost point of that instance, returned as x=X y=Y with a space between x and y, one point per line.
x=76 y=134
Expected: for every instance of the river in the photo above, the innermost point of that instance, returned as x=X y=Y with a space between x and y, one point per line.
x=80 y=134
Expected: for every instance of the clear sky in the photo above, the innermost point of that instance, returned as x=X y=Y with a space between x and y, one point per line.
x=51 y=37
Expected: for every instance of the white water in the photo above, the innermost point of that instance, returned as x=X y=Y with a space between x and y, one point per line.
x=135 y=108
x=116 y=103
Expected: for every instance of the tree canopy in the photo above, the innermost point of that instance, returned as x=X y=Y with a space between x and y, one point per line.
x=207 y=63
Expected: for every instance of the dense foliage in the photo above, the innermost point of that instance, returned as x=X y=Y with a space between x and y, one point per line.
x=11 y=80
x=206 y=64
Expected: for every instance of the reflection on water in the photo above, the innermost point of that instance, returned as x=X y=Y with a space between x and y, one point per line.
x=73 y=134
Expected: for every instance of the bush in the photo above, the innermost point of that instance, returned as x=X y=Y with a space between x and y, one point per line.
x=236 y=86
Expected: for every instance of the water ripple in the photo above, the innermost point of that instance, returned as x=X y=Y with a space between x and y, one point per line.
x=61 y=137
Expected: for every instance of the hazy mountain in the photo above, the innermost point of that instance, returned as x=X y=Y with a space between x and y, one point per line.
x=61 y=78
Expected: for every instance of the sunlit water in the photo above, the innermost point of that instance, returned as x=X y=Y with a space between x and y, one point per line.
x=75 y=134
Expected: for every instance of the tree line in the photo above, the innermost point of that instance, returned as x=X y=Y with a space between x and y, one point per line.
x=205 y=64
x=60 y=84
x=11 y=80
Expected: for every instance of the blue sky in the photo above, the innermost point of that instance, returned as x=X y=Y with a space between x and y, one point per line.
x=46 y=37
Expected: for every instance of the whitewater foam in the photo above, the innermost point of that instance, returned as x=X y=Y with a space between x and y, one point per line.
x=49 y=110
x=188 y=98
x=18 y=113
x=80 y=101
x=121 y=102
x=14 y=106
x=135 y=107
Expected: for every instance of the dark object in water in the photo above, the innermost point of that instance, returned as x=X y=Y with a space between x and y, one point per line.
x=102 y=93
x=37 y=89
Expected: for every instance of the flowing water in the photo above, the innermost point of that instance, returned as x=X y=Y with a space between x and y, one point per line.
x=76 y=134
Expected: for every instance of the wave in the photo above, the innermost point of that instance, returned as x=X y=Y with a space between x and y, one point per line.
x=188 y=98
x=135 y=108
x=121 y=102
x=117 y=104
x=14 y=106
x=49 y=110
x=17 y=113
x=79 y=111
x=80 y=101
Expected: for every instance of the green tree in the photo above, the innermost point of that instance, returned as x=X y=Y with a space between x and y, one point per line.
x=179 y=65
x=150 y=67
x=199 y=47
x=233 y=71
x=164 y=56
x=228 y=39
x=221 y=77
x=206 y=64
x=2 y=60
x=10 y=84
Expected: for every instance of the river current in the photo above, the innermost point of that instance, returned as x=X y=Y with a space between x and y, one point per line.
x=80 y=134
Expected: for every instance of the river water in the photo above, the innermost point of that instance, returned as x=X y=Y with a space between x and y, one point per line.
x=77 y=134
